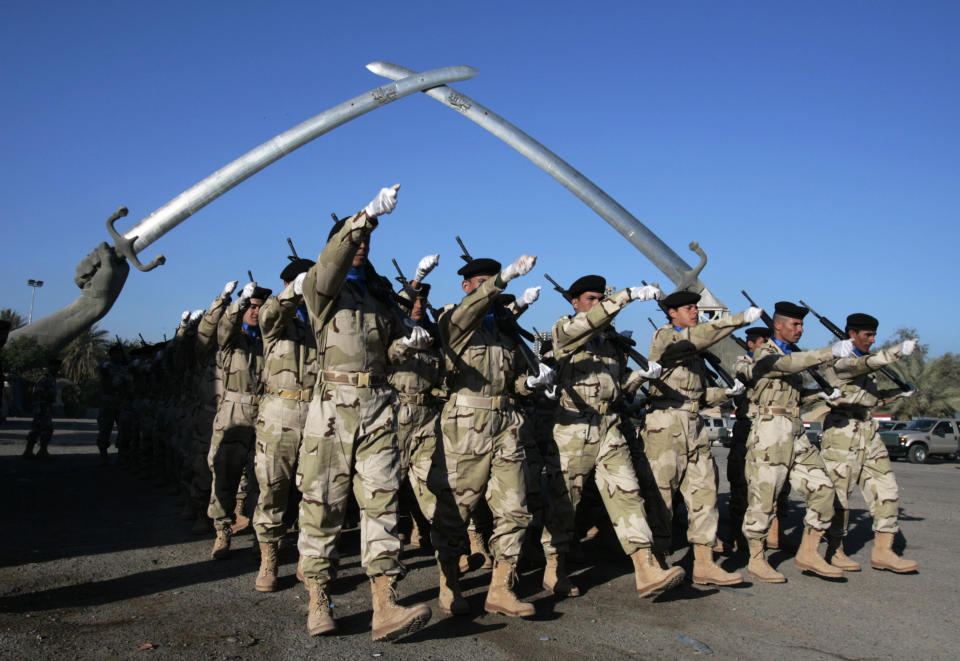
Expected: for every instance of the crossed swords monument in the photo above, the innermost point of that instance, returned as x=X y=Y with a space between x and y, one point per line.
x=102 y=273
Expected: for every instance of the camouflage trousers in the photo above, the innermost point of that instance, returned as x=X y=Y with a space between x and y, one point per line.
x=737 y=477
x=675 y=442
x=106 y=419
x=480 y=456
x=417 y=430
x=231 y=453
x=349 y=442
x=854 y=454
x=594 y=444
x=777 y=448
x=41 y=429
x=280 y=423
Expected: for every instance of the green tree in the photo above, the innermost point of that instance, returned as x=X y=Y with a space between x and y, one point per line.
x=83 y=354
x=15 y=318
x=26 y=357
x=937 y=381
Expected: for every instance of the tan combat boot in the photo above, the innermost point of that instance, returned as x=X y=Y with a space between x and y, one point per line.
x=758 y=567
x=883 y=556
x=221 y=546
x=319 y=620
x=241 y=520
x=773 y=535
x=300 y=570
x=836 y=557
x=479 y=547
x=501 y=598
x=808 y=557
x=390 y=620
x=416 y=539
x=706 y=571
x=451 y=600
x=652 y=581
x=555 y=577
x=267 y=576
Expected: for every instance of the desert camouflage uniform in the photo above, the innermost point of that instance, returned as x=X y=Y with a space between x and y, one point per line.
x=778 y=444
x=116 y=384
x=289 y=375
x=675 y=440
x=208 y=387
x=350 y=440
x=417 y=377
x=240 y=363
x=591 y=372
x=44 y=395
x=481 y=453
x=852 y=450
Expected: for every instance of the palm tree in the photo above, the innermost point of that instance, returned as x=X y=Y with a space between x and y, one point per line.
x=937 y=382
x=15 y=318
x=83 y=354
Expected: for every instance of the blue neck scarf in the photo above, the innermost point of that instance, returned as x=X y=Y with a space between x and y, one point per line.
x=488 y=322
x=782 y=345
x=678 y=329
x=302 y=312
x=358 y=276
x=253 y=331
x=857 y=353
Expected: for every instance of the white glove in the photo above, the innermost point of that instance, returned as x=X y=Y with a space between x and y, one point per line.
x=736 y=389
x=426 y=265
x=522 y=266
x=909 y=393
x=842 y=349
x=184 y=317
x=546 y=377
x=908 y=346
x=550 y=392
x=419 y=338
x=529 y=296
x=645 y=293
x=298 y=283
x=384 y=203
x=653 y=371
x=247 y=292
x=830 y=397
x=752 y=313
x=229 y=287
x=196 y=316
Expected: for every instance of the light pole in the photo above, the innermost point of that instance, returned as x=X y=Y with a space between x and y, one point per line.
x=33 y=284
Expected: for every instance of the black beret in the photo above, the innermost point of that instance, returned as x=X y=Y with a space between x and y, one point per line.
x=295 y=268
x=858 y=321
x=758 y=331
x=587 y=283
x=791 y=310
x=481 y=266
x=678 y=299
x=262 y=293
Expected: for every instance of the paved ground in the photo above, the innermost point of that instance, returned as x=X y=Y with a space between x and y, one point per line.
x=96 y=563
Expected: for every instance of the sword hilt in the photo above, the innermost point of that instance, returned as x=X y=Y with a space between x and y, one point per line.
x=125 y=246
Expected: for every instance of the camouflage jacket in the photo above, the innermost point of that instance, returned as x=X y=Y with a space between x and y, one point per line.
x=354 y=329
x=418 y=371
x=481 y=360
x=116 y=385
x=855 y=378
x=208 y=384
x=683 y=383
x=591 y=366
x=289 y=347
x=777 y=376
x=240 y=358
x=742 y=369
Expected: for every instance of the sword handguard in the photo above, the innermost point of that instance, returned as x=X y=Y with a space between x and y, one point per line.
x=125 y=246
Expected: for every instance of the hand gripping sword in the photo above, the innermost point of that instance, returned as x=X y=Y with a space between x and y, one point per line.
x=187 y=203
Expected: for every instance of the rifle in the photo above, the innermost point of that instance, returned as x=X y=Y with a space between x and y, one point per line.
x=466 y=253
x=821 y=382
x=143 y=342
x=293 y=250
x=833 y=328
x=714 y=363
x=123 y=351
x=250 y=275
x=402 y=279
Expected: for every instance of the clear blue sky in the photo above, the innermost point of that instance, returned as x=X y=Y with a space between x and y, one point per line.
x=811 y=148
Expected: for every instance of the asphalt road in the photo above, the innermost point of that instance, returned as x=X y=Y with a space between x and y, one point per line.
x=96 y=563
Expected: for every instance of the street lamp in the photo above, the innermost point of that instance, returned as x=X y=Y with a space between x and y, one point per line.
x=34 y=284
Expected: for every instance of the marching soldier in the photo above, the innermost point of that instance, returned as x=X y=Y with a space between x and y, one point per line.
x=481 y=452
x=289 y=375
x=592 y=374
x=115 y=384
x=350 y=439
x=675 y=440
x=778 y=446
x=43 y=399
x=240 y=362
x=853 y=451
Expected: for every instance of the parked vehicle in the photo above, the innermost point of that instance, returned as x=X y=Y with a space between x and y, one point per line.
x=716 y=429
x=814 y=432
x=922 y=438
x=892 y=425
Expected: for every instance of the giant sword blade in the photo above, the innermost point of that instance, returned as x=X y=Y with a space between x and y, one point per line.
x=201 y=194
x=662 y=256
